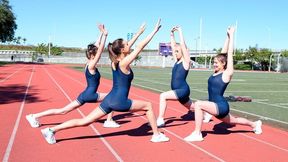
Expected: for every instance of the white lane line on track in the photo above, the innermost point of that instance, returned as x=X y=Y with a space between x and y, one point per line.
x=91 y=126
x=7 y=68
x=267 y=143
x=9 y=76
x=13 y=135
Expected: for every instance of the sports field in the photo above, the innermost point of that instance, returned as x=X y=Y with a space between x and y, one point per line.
x=268 y=91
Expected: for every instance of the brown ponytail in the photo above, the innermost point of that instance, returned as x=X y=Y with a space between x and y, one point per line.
x=114 y=50
x=91 y=50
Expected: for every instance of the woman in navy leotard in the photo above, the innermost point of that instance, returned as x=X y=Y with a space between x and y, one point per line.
x=117 y=99
x=180 y=89
x=90 y=94
x=217 y=83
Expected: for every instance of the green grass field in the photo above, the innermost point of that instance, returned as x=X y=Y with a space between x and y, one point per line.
x=268 y=91
x=4 y=63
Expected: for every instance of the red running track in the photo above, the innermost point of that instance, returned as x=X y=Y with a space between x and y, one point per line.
x=30 y=88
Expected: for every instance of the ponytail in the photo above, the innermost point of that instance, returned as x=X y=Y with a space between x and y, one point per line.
x=112 y=55
x=91 y=50
x=114 y=50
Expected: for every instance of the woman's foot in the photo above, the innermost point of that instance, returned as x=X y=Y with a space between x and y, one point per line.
x=34 y=123
x=159 y=138
x=49 y=135
x=160 y=122
x=258 y=127
x=110 y=124
x=194 y=137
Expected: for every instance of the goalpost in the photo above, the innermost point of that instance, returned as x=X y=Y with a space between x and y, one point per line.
x=275 y=57
x=278 y=62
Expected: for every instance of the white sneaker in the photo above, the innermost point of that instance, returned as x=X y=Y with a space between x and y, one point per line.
x=110 y=124
x=207 y=117
x=194 y=137
x=160 y=122
x=258 y=127
x=32 y=121
x=48 y=135
x=159 y=138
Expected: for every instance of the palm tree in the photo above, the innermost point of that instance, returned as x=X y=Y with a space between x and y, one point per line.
x=24 y=40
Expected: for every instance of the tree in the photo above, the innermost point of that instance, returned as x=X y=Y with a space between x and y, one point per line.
x=24 y=40
x=41 y=48
x=285 y=53
x=250 y=55
x=239 y=56
x=263 y=58
x=56 y=50
x=44 y=49
x=7 y=22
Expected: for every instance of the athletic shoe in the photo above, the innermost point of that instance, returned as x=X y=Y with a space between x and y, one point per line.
x=258 y=127
x=160 y=122
x=207 y=117
x=110 y=124
x=194 y=137
x=33 y=121
x=48 y=135
x=159 y=138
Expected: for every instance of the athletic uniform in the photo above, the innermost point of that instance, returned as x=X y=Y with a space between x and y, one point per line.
x=90 y=95
x=179 y=84
x=117 y=99
x=216 y=88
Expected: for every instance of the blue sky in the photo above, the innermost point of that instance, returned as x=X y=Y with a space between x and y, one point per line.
x=72 y=23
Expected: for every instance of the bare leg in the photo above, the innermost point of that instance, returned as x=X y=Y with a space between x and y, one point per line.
x=49 y=133
x=138 y=105
x=169 y=95
x=110 y=117
x=109 y=123
x=68 y=108
x=93 y=116
x=147 y=106
x=190 y=105
x=101 y=96
x=230 y=119
x=60 y=111
x=200 y=108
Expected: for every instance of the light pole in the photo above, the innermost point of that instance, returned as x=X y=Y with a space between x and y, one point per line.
x=196 y=42
x=269 y=37
x=269 y=46
x=49 y=46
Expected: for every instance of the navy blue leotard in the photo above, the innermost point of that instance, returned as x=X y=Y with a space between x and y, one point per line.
x=179 y=84
x=216 y=88
x=90 y=95
x=117 y=99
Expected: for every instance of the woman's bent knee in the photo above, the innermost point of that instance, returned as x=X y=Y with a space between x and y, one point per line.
x=148 y=106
